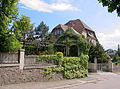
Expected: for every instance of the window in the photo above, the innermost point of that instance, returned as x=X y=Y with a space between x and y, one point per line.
x=58 y=32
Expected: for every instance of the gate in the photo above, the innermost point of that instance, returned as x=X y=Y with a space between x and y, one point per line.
x=102 y=66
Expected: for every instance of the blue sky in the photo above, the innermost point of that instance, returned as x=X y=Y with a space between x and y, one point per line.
x=54 y=12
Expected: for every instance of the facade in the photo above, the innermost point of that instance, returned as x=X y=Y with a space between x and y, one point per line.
x=79 y=27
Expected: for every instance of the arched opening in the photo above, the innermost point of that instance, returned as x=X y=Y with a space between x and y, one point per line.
x=73 y=50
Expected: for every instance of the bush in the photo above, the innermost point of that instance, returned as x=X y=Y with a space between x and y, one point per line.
x=48 y=58
x=9 y=43
x=75 y=67
x=71 y=67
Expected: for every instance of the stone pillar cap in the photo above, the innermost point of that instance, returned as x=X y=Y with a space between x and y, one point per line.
x=22 y=50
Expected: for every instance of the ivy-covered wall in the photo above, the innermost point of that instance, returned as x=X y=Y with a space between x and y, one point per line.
x=70 y=67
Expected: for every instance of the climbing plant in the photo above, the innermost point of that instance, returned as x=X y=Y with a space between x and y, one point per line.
x=70 y=67
x=69 y=38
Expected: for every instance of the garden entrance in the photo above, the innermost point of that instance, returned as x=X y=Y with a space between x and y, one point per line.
x=102 y=66
x=73 y=51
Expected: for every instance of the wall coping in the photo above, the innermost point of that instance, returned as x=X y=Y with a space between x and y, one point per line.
x=31 y=56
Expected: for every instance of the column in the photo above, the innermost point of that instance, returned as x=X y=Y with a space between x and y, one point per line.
x=21 y=59
x=110 y=65
x=95 y=64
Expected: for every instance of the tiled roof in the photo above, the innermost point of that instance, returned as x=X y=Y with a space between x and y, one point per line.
x=86 y=26
x=64 y=27
x=78 y=25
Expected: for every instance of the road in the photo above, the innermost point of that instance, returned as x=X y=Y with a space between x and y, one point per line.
x=105 y=81
x=100 y=80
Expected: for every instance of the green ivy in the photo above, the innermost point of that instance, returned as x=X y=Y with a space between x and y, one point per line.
x=71 y=67
x=48 y=58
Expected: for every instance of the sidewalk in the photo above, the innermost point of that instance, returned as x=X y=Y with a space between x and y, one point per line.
x=64 y=84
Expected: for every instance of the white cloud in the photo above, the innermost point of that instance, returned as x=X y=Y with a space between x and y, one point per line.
x=63 y=1
x=110 y=38
x=40 y=5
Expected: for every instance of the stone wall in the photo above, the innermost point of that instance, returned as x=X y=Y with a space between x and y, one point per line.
x=12 y=75
x=92 y=67
x=8 y=57
x=30 y=60
x=116 y=68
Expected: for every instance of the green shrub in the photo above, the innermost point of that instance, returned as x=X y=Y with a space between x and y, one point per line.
x=47 y=58
x=9 y=43
x=75 y=67
x=71 y=67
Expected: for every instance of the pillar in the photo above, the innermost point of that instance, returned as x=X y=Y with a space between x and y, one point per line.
x=95 y=64
x=21 y=59
x=110 y=65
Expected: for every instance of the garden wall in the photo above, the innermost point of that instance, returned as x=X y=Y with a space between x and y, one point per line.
x=116 y=68
x=8 y=57
x=12 y=75
x=30 y=60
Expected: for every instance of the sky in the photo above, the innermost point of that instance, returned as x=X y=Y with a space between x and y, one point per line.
x=53 y=12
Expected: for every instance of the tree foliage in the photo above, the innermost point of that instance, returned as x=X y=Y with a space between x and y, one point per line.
x=51 y=38
x=98 y=52
x=8 y=43
x=8 y=12
x=22 y=27
x=116 y=57
x=112 y=5
x=42 y=31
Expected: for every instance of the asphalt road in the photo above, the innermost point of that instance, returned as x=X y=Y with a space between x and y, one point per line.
x=105 y=81
x=100 y=80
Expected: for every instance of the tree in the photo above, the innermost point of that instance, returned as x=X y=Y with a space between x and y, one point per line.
x=42 y=31
x=98 y=52
x=9 y=43
x=118 y=52
x=112 y=5
x=22 y=27
x=8 y=13
x=116 y=58
x=51 y=38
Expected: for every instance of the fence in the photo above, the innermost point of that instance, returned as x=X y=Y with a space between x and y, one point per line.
x=94 y=67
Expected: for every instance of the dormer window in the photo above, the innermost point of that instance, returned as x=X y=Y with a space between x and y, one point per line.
x=58 y=32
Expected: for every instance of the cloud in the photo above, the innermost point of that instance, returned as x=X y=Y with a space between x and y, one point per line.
x=110 y=38
x=42 y=6
x=63 y=1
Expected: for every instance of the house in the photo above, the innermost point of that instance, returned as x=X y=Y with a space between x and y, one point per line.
x=79 y=27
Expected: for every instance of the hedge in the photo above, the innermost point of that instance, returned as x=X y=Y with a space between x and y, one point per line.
x=71 y=67
x=48 y=58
